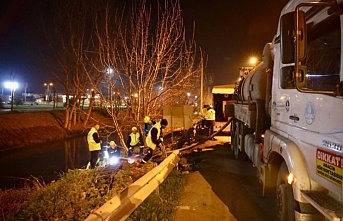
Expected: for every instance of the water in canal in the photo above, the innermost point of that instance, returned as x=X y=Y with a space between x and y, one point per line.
x=44 y=161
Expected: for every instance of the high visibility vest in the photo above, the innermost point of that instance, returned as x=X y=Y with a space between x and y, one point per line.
x=210 y=114
x=149 y=142
x=134 y=139
x=204 y=112
x=91 y=142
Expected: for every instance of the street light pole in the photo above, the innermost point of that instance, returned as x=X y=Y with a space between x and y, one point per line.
x=12 y=86
x=54 y=98
x=12 y=98
x=202 y=83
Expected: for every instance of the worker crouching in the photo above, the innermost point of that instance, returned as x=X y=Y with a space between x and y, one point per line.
x=154 y=139
x=134 y=142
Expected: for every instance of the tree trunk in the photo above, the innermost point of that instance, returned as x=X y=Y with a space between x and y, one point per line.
x=78 y=119
x=89 y=109
x=66 y=123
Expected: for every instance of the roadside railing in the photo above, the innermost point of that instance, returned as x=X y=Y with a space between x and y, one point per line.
x=122 y=205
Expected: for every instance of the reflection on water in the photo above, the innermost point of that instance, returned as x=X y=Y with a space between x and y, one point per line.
x=44 y=161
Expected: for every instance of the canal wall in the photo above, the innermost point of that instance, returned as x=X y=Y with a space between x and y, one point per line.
x=23 y=129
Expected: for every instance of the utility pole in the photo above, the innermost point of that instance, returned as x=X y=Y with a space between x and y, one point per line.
x=202 y=83
x=25 y=85
x=12 y=98
x=54 y=98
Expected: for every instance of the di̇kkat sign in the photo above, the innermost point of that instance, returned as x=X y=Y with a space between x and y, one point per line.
x=329 y=166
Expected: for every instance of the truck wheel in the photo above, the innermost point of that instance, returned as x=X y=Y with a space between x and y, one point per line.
x=239 y=155
x=284 y=196
x=232 y=133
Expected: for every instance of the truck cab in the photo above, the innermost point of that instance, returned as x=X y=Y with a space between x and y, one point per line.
x=288 y=118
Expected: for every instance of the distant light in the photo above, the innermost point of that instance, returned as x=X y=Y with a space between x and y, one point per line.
x=125 y=98
x=11 y=85
x=253 y=60
x=136 y=95
x=109 y=70
x=188 y=94
x=51 y=84
x=45 y=84
x=114 y=92
x=160 y=88
x=239 y=79
x=196 y=97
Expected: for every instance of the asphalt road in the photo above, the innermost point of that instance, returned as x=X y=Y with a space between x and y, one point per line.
x=235 y=183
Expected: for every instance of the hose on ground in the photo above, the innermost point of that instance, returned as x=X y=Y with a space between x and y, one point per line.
x=199 y=142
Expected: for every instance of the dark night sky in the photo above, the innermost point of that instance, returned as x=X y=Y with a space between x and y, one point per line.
x=228 y=31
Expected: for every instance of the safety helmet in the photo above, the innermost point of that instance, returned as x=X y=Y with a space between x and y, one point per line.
x=134 y=129
x=146 y=119
x=112 y=143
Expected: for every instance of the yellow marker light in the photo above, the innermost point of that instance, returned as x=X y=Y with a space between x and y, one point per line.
x=290 y=178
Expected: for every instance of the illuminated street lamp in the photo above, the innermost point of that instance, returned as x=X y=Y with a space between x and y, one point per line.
x=12 y=86
x=48 y=85
x=253 y=61
x=109 y=71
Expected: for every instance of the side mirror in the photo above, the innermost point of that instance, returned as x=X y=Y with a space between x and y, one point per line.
x=287 y=80
x=287 y=38
x=301 y=35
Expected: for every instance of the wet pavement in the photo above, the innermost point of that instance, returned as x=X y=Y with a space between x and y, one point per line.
x=234 y=182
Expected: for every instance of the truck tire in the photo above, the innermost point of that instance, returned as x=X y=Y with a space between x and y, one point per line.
x=232 y=133
x=239 y=155
x=284 y=196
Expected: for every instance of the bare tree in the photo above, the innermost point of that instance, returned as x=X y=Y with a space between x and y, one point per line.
x=135 y=60
x=144 y=61
x=67 y=25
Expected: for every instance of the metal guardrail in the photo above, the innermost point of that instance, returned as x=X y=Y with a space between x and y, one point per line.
x=122 y=205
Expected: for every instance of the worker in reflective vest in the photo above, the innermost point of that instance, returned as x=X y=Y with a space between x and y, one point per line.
x=210 y=119
x=134 y=141
x=94 y=145
x=203 y=114
x=154 y=139
x=148 y=124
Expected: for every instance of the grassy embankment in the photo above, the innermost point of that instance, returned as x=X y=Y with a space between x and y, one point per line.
x=78 y=192
x=22 y=129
